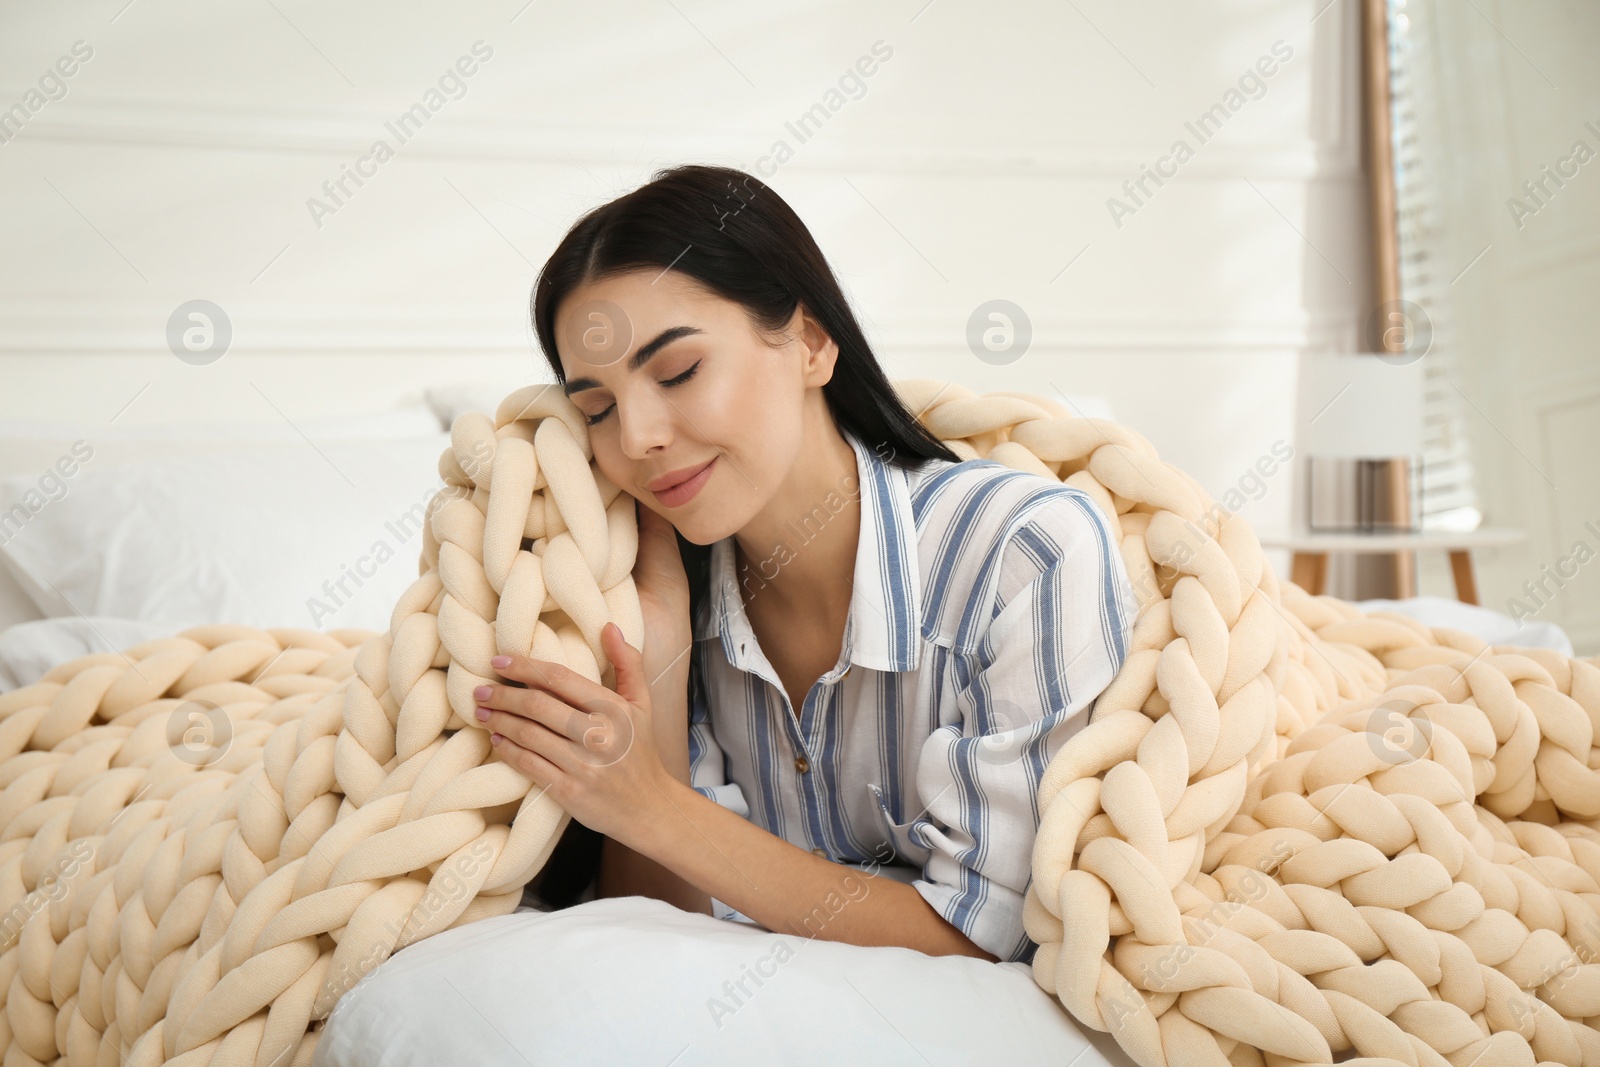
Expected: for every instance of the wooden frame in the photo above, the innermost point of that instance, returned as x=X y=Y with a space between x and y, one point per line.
x=1385 y=226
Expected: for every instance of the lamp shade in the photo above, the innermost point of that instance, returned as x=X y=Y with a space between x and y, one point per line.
x=1359 y=406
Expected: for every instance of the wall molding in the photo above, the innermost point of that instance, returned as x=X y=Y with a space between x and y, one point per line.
x=346 y=133
x=1549 y=392
x=66 y=329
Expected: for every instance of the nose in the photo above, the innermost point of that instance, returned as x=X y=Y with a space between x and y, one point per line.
x=645 y=426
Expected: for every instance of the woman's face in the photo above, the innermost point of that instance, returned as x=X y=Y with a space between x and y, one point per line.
x=672 y=378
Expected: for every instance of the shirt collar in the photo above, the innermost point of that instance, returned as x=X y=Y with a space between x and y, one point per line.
x=883 y=630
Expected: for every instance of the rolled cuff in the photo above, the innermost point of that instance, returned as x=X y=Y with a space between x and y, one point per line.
x=989 y=913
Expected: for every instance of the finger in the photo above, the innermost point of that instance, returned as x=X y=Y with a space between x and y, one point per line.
x=529 y=736
x=544 y=774
x=535 y=708
x=533 y=704
x=632 y=685
x=597 y=736
x=594 y=739
x=558 y=679
x=605 y=739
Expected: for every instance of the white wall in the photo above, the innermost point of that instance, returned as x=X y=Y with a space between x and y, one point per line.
x=977 y=164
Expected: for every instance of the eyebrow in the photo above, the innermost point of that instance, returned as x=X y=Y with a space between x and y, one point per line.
x=639 y=358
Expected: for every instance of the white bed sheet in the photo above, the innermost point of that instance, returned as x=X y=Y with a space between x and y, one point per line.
x=1492 y=626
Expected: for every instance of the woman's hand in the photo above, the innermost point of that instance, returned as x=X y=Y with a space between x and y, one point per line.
x=663 y=590
x=591 y=749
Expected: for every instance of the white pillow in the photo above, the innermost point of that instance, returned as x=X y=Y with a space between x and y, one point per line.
x=29 y=649
x=16 y=606
x=634 y=980
x=323 y=536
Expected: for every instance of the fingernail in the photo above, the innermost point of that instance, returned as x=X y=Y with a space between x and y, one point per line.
x=483 y=692
x=483 y=714
x=494 y=739
x=499 y=662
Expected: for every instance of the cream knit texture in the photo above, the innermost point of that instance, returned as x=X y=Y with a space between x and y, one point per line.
x=1294 y=833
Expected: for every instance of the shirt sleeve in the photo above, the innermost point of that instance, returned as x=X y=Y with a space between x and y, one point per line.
x=708 y=765
x=1059 y=628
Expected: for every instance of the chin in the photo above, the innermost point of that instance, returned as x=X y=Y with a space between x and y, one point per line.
x=696 y=533
x=704 y=527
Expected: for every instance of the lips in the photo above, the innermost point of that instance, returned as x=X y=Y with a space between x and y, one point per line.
x=676 y=496
x=677 y=477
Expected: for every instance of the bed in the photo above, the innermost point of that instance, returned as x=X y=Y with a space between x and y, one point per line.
x=117 y=547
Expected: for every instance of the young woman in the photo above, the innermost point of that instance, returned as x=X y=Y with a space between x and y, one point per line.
x=858 y=647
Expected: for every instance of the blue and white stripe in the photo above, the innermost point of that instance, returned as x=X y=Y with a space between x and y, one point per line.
x=990 y=609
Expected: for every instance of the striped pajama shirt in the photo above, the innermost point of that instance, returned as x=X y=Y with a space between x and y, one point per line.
x=989 y=609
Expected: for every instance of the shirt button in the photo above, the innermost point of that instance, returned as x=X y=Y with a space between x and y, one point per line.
x=801 y=764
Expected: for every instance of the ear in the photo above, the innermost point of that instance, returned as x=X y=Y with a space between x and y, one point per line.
x=821 y=350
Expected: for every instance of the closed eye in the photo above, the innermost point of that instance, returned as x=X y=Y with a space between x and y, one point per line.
x=679 y=380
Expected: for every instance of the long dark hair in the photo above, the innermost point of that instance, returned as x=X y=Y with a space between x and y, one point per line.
x=736 y=237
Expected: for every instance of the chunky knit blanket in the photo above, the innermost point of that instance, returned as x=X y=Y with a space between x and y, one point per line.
x=1293 y=833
